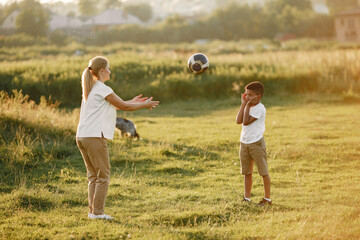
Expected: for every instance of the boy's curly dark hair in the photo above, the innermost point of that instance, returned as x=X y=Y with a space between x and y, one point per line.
x=257 y=87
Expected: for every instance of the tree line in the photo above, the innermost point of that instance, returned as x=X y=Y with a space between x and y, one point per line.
x=231 y=22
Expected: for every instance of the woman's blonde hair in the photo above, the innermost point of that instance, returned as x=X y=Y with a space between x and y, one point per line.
x=91 y=74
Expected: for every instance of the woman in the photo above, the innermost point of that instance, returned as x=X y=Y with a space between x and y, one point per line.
x=96 y=125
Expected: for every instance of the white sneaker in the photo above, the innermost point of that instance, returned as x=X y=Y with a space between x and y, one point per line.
x=103 y=216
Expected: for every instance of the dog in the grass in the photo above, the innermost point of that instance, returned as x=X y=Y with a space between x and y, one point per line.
x=127 y=128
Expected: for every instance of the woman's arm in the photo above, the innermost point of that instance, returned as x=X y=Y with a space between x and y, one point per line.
x=130 y=105
x=137 y=99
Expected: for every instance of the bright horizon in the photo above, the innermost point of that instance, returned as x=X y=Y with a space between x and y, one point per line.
x=41 y=1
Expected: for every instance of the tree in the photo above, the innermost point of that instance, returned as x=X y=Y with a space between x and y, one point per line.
x=236 y=21
x=279 y=5
x=87 y=7
x=143 y=11
x=317 y=25
x=173 y=29
x=336 y=6
x=1 y=13
x=290 y=19
x=58 y=38
x=287 y=16
x=112 y=4
x=33 y=19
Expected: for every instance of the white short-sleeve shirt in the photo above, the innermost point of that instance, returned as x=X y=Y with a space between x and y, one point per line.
x=254 y=132
x=97 y=116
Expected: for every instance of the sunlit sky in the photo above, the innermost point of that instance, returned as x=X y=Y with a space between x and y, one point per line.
x=42 y=1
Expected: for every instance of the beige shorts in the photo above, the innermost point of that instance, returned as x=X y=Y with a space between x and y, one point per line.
x=253 y=152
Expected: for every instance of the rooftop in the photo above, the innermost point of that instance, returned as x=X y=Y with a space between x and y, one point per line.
x=355 y=11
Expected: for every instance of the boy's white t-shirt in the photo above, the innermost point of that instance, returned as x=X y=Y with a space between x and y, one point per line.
x=97 y=116
x=254 y=131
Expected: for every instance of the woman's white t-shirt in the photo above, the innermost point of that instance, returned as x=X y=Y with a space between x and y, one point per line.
x=254 y=132
x=97 y=116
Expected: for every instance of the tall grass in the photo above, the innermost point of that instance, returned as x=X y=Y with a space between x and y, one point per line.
x=161 y=71
x=31 y=135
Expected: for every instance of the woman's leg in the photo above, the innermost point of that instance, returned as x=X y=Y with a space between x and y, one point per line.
x=99 y=157
x=91 y=174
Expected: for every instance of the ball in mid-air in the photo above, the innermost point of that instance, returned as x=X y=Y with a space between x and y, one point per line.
x=198 y=63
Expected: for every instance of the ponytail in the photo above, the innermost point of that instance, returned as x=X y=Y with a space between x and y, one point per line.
x=91 y=73
x=87 y=82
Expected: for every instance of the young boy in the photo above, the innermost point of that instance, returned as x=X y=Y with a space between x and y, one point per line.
x=252 y=144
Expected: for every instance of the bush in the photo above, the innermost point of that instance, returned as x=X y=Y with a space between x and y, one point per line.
x=21 y=40
x=58 y=38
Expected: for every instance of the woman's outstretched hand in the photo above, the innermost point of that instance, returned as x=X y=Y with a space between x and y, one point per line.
x=151 y=104
x=139 y=99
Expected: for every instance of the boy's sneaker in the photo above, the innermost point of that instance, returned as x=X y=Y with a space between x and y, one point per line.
x=264 y=202
x=247 y=200
x=103 y=216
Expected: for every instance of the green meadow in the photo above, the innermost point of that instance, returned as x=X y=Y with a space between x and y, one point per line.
x=182 y=179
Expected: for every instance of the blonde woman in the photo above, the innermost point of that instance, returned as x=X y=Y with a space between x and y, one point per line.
x=96 y=125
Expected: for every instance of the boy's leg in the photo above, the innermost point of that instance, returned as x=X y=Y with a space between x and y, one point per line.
x=246 y=169
x=266 y=181
x=258 y=153
x=248 y=184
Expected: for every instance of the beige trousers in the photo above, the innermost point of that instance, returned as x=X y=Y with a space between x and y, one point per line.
x=96 y=157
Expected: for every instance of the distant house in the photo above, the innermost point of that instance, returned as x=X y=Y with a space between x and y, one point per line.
x=10 y=21
x=347 y=25
x=111 y=18
x=64 y=22
x=102 y=21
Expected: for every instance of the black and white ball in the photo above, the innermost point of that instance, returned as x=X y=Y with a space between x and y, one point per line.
x=198 y=63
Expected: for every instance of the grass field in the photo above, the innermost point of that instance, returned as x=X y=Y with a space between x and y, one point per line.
x=182 y=180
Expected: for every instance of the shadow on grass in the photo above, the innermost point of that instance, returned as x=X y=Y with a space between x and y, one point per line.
x=5 y=189
x=178 y=152
x=54 y=189
x=74 y=203
x=32 y=203
x=223 y=218
x=177 y=170
x=192 y=220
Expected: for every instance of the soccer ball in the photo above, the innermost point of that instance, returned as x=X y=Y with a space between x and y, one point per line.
x=198 y=63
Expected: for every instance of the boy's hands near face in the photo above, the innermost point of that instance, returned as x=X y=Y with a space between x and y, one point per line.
x=253 y=101
x=243 y=98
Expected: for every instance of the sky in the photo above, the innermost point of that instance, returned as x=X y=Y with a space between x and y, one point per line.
x=42 y=1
